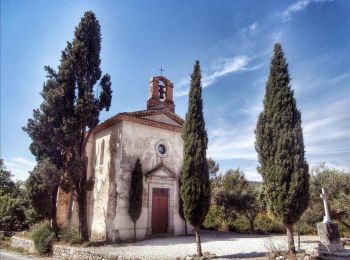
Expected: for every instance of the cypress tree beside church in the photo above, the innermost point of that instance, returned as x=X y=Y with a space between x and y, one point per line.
x=60 y=129
x=181 y=207
x=280 y=148
x=195 y=188
x=135 y=194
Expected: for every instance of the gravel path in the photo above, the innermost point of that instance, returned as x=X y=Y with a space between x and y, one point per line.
x=7 y=255
x=223 y=244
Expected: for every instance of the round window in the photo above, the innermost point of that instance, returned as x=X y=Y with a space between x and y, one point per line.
x=161 y=149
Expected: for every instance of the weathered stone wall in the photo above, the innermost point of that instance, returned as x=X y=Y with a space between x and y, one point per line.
x=63 y=202
x=23 y=243
x=109 y=200
x=75 y=253
x=140 y=141
x=67 y=207
x=62 y=251
x=102 y=209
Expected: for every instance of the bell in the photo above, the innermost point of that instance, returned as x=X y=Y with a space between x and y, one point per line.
x=161 y=92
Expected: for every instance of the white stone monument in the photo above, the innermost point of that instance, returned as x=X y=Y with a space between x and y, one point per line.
x=327 y=217
x=328 y=232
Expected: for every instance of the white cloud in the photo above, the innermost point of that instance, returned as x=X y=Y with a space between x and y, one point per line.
x=252 y=174
x=225 y=67
x=24 y=161
x=248 y=32
x=20 y=167
x=222 y=68
x=315 y=125
x=298 y=7
x=233 y=140
x=326 y=132
x=326 y=135
x=253 y=27
x=308 y=83
x=232 y=147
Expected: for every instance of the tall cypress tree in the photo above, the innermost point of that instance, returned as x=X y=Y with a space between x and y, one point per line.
x=83 y=106
x=60 y=129
x=195 y=188
x=135 y=194
x=181 y=206
x=280 y=148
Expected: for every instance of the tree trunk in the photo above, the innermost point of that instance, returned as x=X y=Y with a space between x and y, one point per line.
x=251 y=224
x=185 y=227
x=83 y=234
x=82 y=193
x=135 y=231
x=54 y=210
x=198 y=242
x=291 y=246
x=298 y=236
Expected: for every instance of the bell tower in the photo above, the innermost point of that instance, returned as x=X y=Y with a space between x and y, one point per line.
x=160 y=94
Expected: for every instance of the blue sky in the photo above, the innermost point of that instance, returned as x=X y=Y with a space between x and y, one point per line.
x=233 y=41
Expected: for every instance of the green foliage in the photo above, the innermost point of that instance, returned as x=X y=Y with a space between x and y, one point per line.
x=70 y=235
x=337 y=184
x=6 y=184
x=195 y=188
x=15 y=212
x=41 y=187
x=12 y=213
x=280 y=146
x=70 y=108
x=135 y=193
x=213 y=168
x=267 y=223
x=43 y=235
x=234 y=195
x=215 y=219
x=181 y=205
x=337 y=181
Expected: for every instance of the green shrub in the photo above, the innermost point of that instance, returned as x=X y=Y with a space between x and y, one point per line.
x=43 y=235
x=70 y=235
x=213 y=219
x=268 y=224
x=240 y=224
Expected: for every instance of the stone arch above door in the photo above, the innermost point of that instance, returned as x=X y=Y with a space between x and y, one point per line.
x=162 y=177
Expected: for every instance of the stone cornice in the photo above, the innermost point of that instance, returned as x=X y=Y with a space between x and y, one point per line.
x=136 y=117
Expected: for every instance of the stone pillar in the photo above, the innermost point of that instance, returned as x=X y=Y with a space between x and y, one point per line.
x=169 y=102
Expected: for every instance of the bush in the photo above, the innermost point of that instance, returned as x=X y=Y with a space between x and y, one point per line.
x=70 y=235
x=213 y=219
x=43 y=236
x=268 y=224
x=274 y=249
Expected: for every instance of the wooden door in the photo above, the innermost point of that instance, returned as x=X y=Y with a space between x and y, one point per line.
x=160 y=210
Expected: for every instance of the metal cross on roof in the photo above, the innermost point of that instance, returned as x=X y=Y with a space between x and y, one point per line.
x=161 y=71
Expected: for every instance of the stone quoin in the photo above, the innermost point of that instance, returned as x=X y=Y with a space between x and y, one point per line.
x=154 y=136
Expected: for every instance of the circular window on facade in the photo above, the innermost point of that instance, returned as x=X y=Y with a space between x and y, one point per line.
x=161 y=148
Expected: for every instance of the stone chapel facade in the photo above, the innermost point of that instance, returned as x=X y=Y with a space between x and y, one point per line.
x=154 y=136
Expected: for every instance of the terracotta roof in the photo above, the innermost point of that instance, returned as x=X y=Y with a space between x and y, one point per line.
x=137 y=117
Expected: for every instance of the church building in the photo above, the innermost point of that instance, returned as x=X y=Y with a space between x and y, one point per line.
x=152 y=135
